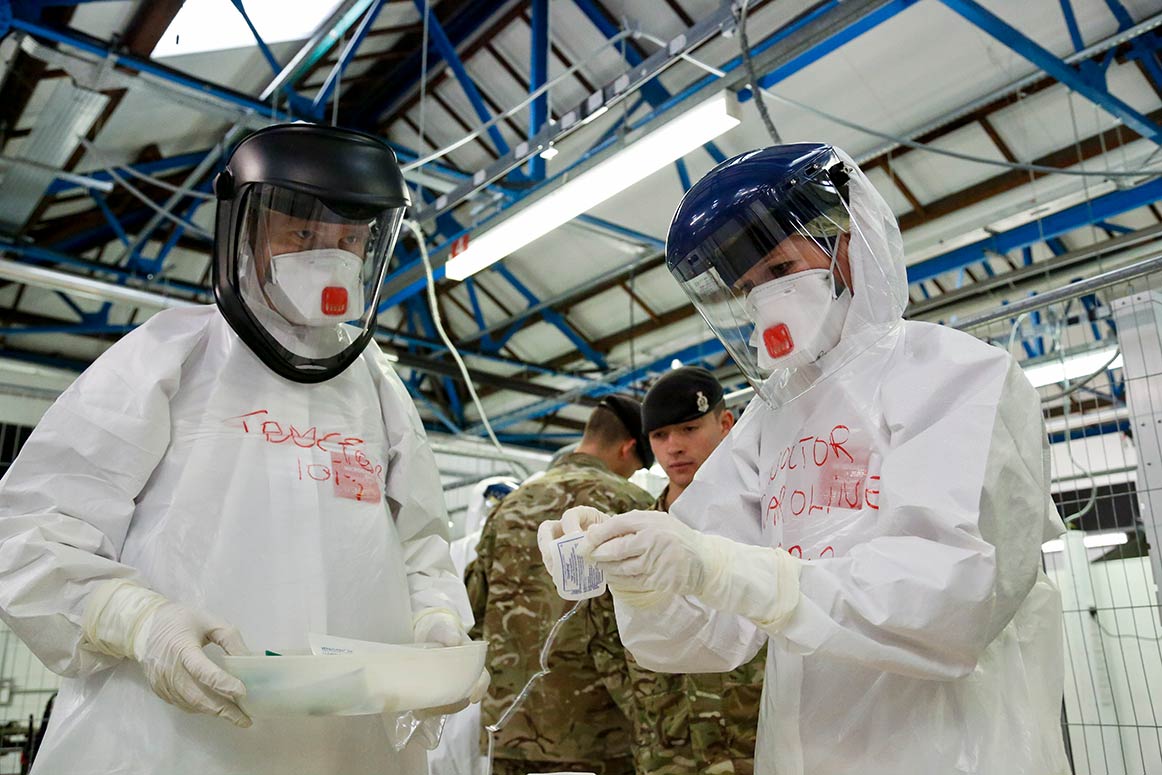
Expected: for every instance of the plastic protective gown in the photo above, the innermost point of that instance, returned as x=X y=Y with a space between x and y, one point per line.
x=180 y=461
x=912 y=481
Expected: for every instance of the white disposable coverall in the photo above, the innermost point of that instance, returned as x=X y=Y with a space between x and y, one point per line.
x=180 y=461
x=912 y=481
x=459 y=750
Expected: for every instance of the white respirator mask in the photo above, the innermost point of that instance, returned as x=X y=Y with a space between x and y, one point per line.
x=317 y=287
x=797 y=318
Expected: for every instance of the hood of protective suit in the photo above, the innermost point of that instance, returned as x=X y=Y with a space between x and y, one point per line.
x=759 y=221
x=876 y=253
x=478 y=506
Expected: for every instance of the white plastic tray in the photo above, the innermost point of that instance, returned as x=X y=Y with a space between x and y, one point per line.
x=395 y=679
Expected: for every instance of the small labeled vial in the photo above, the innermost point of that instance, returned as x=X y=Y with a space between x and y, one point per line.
x=579 y=578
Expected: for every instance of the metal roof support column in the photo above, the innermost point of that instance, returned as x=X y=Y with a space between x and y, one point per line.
x=553 y=317
x=1071 y=23
x=538 y=77
x=154 y=265
x=267 y=54
x=1044 y=229
x=178 y=161
x=1079 y=81
x=654 y=93
x=448 y=52
x=683 y=174
x=110 y=217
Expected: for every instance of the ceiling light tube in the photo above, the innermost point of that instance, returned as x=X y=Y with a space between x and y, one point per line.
x=638 y=160
x=1090 y=541
x=1075 y=366
x=84 y=286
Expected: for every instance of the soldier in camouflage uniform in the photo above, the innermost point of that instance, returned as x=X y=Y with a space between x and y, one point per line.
x=687 y=723
x=575 y=718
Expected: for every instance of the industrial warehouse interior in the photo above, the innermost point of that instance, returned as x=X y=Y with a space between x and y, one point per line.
x=544 y=148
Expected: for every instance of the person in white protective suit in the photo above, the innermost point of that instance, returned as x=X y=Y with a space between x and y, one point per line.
x=485 y=495
x=459 y=750
x=877 y=514
x=245 y=473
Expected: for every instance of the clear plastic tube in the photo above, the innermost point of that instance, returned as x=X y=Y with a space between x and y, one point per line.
x=514 y=706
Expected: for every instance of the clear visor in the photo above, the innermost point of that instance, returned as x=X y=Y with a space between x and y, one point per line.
x=309 y=270
x=775 y=285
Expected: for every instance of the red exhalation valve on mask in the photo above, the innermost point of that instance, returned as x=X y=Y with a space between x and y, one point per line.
x=777 y=339
x=334 y=300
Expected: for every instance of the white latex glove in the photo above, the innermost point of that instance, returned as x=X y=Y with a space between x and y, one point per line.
x=443 y=627
x=648 y=556
x=577 y=519
x=123 y=619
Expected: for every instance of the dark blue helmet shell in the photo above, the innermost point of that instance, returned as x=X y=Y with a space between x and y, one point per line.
x=736 y=215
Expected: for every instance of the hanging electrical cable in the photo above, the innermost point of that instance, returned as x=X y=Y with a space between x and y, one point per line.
x=759 y=101
x=1010 y=165
x=438 y=320
x=480 y=130
x=144 y=199
x=519 y=700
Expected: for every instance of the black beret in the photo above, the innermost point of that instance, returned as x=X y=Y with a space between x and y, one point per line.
x=683 y=394
x=629 y=411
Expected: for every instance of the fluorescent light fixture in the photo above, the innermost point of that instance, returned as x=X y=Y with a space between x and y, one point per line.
x=596 y=114
x=639 y=159
x=1075 y=366
x=213 y=25
x=1091 y=541
x=86 y=287
x=549 y=153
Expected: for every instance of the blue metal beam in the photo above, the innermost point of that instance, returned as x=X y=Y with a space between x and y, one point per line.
x=267 y=54
x=625 y=231
x=1071 y=24
x=101 y=234
x=683 y=174
x=553 y=317
x=538 y=77
x=153 y=266
x=448 y=52
x=54 y=361
x=436 y=349
x=653 y=91
x=1119 y=426
x=1114 y=228
x=345 y=57
x=104 y=49
x=377 y=98
x=1144 y=49
x=1078 y=80
x=1107 y=206
x=840 y=36
x=110 y=218
x=40 y=256
x=837 y=40
x=1125 y=21
x=711 y=348
x=168 y=164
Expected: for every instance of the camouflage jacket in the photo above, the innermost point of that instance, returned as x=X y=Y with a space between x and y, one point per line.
x=575 y=713
x=686 y=723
